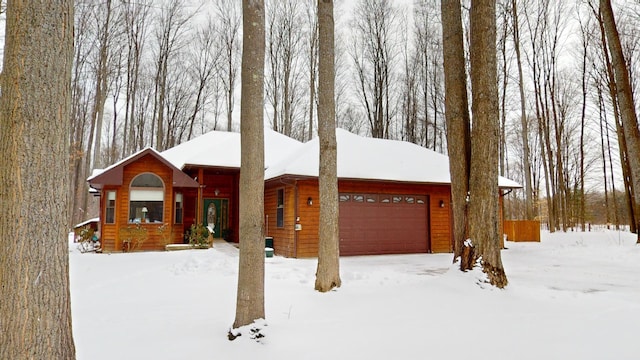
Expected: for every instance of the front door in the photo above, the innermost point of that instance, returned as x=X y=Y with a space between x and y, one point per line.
x=216 y=216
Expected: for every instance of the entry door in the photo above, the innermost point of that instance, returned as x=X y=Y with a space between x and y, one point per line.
x=216 y=215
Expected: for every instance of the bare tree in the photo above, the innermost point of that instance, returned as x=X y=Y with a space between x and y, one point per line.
x=409 y=102
x=429 y=71
x=34 y=271
x=205 y=58
x=373 y=52
x=230 y=17
x=170 y=37
x=137 y=16
x=250 y=296
x=524 y=120
x=624 y=97
x=545 y=29
x=117 y=86
x=312 y=47
x=583 y=116
x=483 y=178
x=348 y=113
x=81 y=95
x=284 y=50
x=458 y=124
x=328 y=271
x=102 y=77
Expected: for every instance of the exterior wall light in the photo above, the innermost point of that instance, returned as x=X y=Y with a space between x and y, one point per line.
x=441 y=203
x=309 y=201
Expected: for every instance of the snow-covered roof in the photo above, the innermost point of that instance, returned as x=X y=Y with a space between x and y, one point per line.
x=358 y=157
x=372 y=159
x=112 y=175
x=97 y=172
x=87 y=222
x=222 y=149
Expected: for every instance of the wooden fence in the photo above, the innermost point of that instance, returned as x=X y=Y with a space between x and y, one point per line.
x=522 y=230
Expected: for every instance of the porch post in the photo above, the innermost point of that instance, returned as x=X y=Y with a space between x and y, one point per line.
x=200 y=194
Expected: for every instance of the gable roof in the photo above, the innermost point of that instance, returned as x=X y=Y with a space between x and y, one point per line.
x=372 y=159
x=113 y=174
x=222 y=149
x=358 y=158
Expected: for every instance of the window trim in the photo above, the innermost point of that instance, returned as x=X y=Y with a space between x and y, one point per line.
x=149 y=189
x=112 y=208
x=280 y=208
x=178 y=195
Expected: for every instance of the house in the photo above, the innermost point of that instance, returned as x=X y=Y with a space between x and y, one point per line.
x=394 y=196
x=161 y=195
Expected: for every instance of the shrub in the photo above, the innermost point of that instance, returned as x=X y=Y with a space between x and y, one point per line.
x=85 y=233
x=199 y=236
x=133 y=236
x=166 y=234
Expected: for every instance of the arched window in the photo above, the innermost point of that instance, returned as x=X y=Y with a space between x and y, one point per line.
x=146 y=199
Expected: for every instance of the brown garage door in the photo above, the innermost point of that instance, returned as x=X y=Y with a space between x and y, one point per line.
x=383 y=224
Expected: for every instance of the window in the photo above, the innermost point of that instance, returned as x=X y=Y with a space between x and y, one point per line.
x=146 y=199
x=410 y=199
x=358 y=198
x=344 y=198
x=178 y=219
x=110 y=213
x=280 y=209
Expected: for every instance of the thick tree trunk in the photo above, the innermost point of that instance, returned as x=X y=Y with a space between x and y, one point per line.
x=35 y=311
x=328 y=271
x=250 y=296
x=458 y=122
x=624 y=96
x=483 y=182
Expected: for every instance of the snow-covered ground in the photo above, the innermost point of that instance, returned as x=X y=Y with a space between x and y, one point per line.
x=572 y=296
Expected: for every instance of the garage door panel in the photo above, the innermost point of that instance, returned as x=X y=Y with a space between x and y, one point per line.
x=375 y=227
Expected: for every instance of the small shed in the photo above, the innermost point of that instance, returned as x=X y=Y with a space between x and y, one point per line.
x=91 y=224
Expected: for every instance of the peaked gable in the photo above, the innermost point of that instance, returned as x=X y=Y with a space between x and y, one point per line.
x=113 y=174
